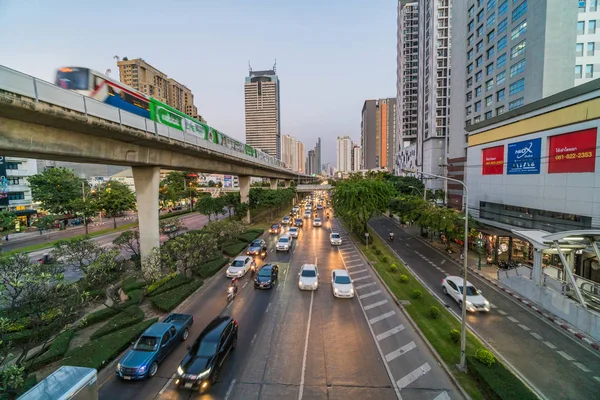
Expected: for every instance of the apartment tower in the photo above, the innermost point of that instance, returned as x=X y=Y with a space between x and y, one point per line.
x=344 y=154
x=377 y=136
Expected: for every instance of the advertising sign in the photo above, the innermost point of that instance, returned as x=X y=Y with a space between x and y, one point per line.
x=572 y=152
x=3 y=183
x=492 y=160
x=524 y=157
x=227 y=181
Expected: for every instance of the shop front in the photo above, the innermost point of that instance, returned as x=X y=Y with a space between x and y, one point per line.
x=503 y=246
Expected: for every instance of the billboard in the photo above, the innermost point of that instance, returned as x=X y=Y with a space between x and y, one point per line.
x=3 y=183
x=524 y=157
x=572 y=152
x=492 y=160
x=227 y=181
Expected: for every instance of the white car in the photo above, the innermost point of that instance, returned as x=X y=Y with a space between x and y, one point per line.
x=284 y=243
x=239 y=266
x=317 y=222
x=335 y=239
x=293 y=232
x=309 y=277
x=307 y=215
x=286 y=220
x=342 y=284
x=453 y=286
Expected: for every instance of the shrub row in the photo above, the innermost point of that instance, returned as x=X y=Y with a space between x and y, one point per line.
x=234 y=249
x=17 y=338
x=177 y=281
x=173 y=214
x=169 y=300
x=57 y=349
x=497 y=382
x=135 y=296
x=96 y=294
x=130 y=316
x=98 y=353
x=211 y=267
x=131 y=284
x=150 y=289
x=247 y=237
x=97 y=316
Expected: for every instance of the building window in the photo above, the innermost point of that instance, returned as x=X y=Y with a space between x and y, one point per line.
x=469 y=96
x=477 y=119
x=471 y=11
x=500 y=110
x=12 y=165
x=480 y=15
x=13 y=181
x=589 y=71
x=469 y=82
x=491 y=36
x=470 y=68
x=490 y=52
x=578 y=71
x=519 y=30
x=468 y=122
x=517 y=49
x=501 y=60
x=579 y=49
x=478 y=76
x=490 y=19
x=478 y=106
x=489 y=85
x=519 y=11
x=581 y=6
x=591 y=48
x=488 y=101
x=501 y=43
x=468 y=110
x=517 y=87
x=478 y=91
x=478 y=61
x=517 y=68
x=500 y=78
x=500 y=94
x=470 y=54
x=491 y=4
x=480 y=31
x=471 y=25
x=502 y=7
x=591 y=26
x=470 y=40
x=480 y=46
x=16 y=196
x=593 y=5
x=489 y=69
x=488 y=115
x=502 y=26
x=515 y=104
x=580 y=27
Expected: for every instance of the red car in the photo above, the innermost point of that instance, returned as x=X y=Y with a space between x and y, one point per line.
x=275 y=228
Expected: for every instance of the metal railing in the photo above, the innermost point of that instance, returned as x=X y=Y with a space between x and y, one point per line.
x=41 y=91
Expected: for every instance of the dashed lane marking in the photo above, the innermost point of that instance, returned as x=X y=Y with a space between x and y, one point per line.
x=413 y=376
x=166 y=385
x=493 y=305
x=389 y=333
x=550 y=345
x=365 y=285
x=230 y=389
x=582 y=367
x=362 y=278
x=524 y=327
x=364 y=296
x=355 y=266
x=268 y=308
x=536 y=335
x=371 y=306
x=513 y=319
x=397 y=353
x=597 y=378
x=381 y=317
x=502 y=312
x=565 y=356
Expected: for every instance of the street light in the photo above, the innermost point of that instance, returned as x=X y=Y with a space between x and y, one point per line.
x=463 y=332
x=424 y=194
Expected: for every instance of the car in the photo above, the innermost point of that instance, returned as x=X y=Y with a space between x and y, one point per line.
x=286 y=220
x=308 y=277
x=299 y=223
x=258 y=247
x=317 y=222
x=153 y=346
x=335 y=239
x=275 y=228
x=266 y=276
x=341 y=284
x=284 y=243
x=170 y=228
x=294 y=231
x=453 y=285
x=239 y=266
x=296 y=209
x=319 y=207
x=200 y=367
x=307 y=215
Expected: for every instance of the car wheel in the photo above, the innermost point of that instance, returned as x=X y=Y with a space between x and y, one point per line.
x=460 y=304
x=153 y=369
x=444 y=290
x=185 y=334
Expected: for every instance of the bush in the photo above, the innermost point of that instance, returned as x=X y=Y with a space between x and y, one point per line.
x=97 y=316
x=497 y=382
x=177 y=281
x=130 y=316
x=485 y=357
x=248 y=236
x=455 y=336
x=234 y=249
x=135 y=297
x=169 y=300
x=417 y=294
x=434 y=312
x=376 y=251
x=98 y=353
x=96 y=294
x=384 y=259
x=173 y=214
x=130 y=284
x=403 y=278
x=393 y=268
x=17 y=338
x=211 y=267
x=150 y=289
x=57 y=349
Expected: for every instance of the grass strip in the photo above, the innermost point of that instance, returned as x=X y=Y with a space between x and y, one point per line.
x=249 y=236
x=57 y=349
x=130 y=316
x=169 y=300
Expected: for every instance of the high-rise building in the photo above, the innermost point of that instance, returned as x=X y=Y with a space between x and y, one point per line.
x=423 y=80
x=378 y=131
x=344 y=154
x=510 y=53
x=289 y=152
x=356 y=157
x=15 y=193
x=263 y=124
x=311 y=163
x=181 y=98
x=301 y=156
x=318 y=155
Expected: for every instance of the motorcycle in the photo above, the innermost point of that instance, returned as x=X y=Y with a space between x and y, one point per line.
x=391 y=237
x=231 y=292
x=46 y=259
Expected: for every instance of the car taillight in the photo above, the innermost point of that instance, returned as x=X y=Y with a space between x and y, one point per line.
x=444 y=280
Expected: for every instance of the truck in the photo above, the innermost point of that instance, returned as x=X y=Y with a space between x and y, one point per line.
x=153 y=346
x=66 y=383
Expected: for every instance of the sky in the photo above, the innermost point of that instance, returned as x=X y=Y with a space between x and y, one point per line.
x=332 y=55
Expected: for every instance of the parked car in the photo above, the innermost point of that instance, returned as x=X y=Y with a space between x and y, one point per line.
x=200 y=367
x=453 y=287
x=284 y=243
x=335 y=239
x=239 y=267
x=258 y=247
x=266 y=277
x=153 y=347
x=341 y=284
x=275 y=228
x=309 y=277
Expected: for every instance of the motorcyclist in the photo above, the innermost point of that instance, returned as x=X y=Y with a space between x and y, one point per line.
x=391 y=236
x=234 y=284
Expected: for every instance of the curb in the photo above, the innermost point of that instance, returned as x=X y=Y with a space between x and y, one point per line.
x=559 y=322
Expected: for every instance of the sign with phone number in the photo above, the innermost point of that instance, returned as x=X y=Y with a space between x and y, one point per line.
x=573 y=152
x=492 y=162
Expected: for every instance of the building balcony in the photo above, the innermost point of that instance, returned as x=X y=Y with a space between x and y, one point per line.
x=18 y=172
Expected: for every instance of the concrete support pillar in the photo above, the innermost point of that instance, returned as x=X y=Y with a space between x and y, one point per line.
x=287 y=183
x=273 y=183
x=244 y=182
x=537 y=274
x=146 y=181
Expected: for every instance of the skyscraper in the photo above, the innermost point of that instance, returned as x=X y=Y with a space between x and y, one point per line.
x=301 y=156
x=311 y=163
x=263 y=124
x=288 y=151
x=377 y=136
x=318 y=156
x=344 y=154
x=356 y=157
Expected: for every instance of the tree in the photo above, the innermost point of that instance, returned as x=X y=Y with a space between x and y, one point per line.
x=224 y=231
x=115 y=197
x=152 y=265
x=46 y=223
x=190 y=250
x=7 y=221
x=211 y=183
x=56 y=189
x=87 y=208
x=208 y=206
x=230 y=201
x=77 y=251
x=103 y=269
x=129 y=241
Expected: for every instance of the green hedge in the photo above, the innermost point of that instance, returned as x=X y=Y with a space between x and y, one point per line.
x=169 y=300
x=210 y=268
x=98 y=353
x=173 y=214
x=234 y=249
x=96 y=294
x=130 y=284
x=97 y=316
x=150 y=289
x=247 y=237
x=179 y=280
x=130 y=316
x=135 y=296
x=24 y=336
x=497 y=382
x=57 y=349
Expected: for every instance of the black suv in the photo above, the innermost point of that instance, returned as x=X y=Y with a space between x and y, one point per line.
x=200 y=367
x=266 y=277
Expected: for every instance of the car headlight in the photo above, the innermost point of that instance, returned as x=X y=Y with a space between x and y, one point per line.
x=142 y=369
x=469 y=304
x=180 y=371
x=118 y=366
x=315 y=284
x=336 y=291
x=487 y=303
x=204 y=374
x=351 y=291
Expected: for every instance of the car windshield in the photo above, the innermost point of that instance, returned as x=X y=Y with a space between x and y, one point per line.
x=341 y=279
x=256 y=243
x=274 y=227
x=237 y=263
x=335 y=236
x=206 y=349
x=471 y=291
x=265 y=272
x=283 y=240
x=309 y=273
x=146 y=343
x=317 y=219
x=293 y=229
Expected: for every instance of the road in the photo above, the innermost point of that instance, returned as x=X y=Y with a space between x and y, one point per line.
x=305 y=345
x=557 y=365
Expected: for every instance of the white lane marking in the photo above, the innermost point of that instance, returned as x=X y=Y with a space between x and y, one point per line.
x=245 y=284
x=355 y=266
x=362 y=278
x=513 y=319
x=443 y=262
x=350 y=251
x=229 y=305
x=379 y=303
x=354 y=262
x=253 y=339
x=443 y=396
x=397 y=353
x=389 y=333
x=493 y=305
x=502 y=312
x=536 y=335
x=381 y=317
x=268 y=308
x=582 y=367
x=413 y=376
x=365 y=285
x=312 y=296
x=364 y=296
x=550 y=345
x=359 y=271
x=524 y=327
x=166 y=385
x=565 y=355
x=597 y=378
x=230 y=389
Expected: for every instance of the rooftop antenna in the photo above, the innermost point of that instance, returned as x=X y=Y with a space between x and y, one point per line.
x=108 y=71
x=249 y=67
x=117 y=58
x=275 y=66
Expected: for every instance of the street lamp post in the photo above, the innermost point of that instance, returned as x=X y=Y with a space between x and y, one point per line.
x=463 y=332
x=424 y=193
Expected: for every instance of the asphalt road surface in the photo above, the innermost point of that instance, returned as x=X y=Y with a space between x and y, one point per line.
x=559 y=366
x=296 y=344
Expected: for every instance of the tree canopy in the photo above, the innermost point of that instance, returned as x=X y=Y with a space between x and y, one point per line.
x=115 y=197
x=57 y=189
